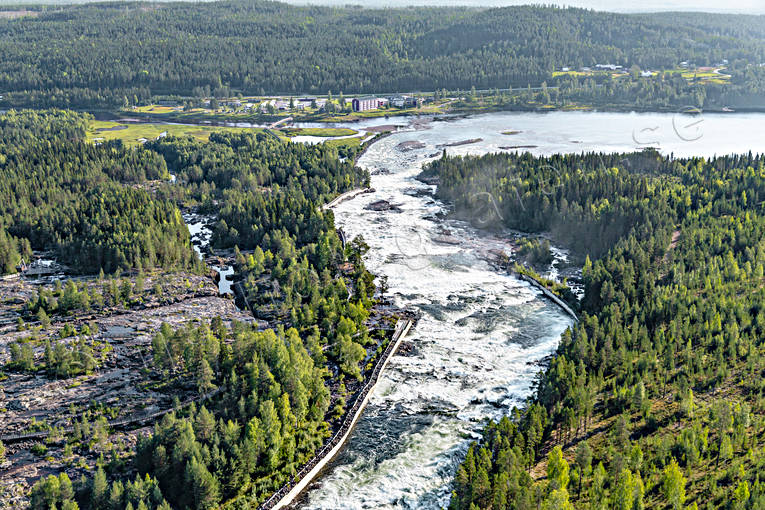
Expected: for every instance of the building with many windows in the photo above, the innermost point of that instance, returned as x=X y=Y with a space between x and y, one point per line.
x=362 y=104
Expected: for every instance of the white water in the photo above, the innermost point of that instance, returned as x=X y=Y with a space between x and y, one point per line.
x=200 y=235
x=479 y=329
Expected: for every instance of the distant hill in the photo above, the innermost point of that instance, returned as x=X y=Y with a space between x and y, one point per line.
x=107 y=53
x=714 y=6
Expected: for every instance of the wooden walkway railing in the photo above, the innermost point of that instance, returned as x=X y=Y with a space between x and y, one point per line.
x=350 y=418
x=550 y=295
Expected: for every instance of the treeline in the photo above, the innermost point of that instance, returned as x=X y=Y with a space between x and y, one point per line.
x=132 y=51
x=78 y=200
x=656 y=397
x=267 y=195
x=269 y=419
x=276 y=394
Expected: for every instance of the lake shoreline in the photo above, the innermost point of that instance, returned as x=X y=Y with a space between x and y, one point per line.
x=264 y=121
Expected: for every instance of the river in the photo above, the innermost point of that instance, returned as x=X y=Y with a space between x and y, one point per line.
x=200 y=233
x=481 y=332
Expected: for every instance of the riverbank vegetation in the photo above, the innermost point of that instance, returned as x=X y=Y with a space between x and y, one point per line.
x=655 y=398
x=534 y=253
x=271 y=392
x=222 y=49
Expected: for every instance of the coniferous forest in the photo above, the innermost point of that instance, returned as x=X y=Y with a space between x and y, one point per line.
x=107 y=54
x=277 y=392
x=67 y=196
x=655 y=399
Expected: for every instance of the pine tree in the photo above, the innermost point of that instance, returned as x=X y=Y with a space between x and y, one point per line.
x=482 y=488
x=583 y=461
x=99 y=490
x=66 y=491
x=624 y=494
x=726 y=448
x=204 y=425
x=204 y=488
x=43 y=318
x=115 y=496
x=557 y=469
x=204 y=377
x=673 y=485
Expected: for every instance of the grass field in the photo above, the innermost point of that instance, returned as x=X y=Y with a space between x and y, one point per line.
x=155 y=109
x=348 y=142
x=133 y=133
x=706 y=75
x=571 y=73
x=326 y=132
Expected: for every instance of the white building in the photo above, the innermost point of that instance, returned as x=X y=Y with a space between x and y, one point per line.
x=362 y=104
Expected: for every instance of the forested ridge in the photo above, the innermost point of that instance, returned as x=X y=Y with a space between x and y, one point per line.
x=101 y=55
x=655 y=399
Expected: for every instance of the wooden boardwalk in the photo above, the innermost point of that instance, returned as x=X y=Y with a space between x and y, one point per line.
x=550 y=295
x=300 y=480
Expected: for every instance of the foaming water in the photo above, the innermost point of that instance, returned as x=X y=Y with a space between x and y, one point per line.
x=479 y=328
x=481 y=331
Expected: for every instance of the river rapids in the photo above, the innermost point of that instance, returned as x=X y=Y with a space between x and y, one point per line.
x=477 y=346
